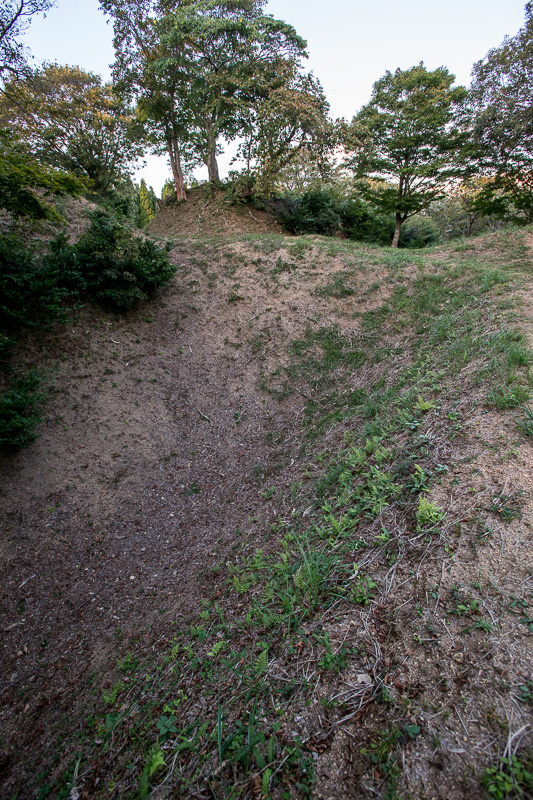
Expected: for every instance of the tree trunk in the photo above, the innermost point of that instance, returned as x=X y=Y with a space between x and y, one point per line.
x=396 y=237
x=177 y=172
x=212 y=164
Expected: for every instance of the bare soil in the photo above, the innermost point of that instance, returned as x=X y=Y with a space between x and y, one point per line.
x=210 y=212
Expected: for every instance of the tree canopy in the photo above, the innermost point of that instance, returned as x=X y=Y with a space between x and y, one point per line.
x=21 y=178
x=404 y=145
x=15 y=16
x=72 y=121
x=501 y=98
x=211 y=71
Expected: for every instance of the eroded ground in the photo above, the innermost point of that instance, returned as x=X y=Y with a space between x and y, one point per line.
x=226 y=494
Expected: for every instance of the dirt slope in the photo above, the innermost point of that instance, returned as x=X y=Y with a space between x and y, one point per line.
x=163 y=456
x=209 y=212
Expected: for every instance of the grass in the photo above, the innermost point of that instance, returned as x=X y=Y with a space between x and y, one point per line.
x=216 y=710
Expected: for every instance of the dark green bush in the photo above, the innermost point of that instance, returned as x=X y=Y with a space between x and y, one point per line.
x=19 y=412
x=363 y=223
x=419 y=232
x=30 y=295
x=110 y=264
x=316 y=211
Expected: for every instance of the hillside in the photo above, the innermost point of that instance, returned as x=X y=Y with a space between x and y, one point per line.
x=210 y=212
x=275 y=536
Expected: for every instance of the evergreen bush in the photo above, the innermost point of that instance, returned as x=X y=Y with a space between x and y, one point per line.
x=19 y=412
x=110 y=264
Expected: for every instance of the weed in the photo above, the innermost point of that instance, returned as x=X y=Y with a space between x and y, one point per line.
x=526 y=422
x=506 y=507
x=512 y=778
x=428 y=514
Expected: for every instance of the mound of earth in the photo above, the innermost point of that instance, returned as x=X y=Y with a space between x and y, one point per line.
x=211 y=212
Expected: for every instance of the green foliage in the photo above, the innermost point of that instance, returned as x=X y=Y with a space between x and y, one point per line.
x=168 y=193
x=526 y=422
x=403 y=143
x=70 y=121
x=501 y=96
x=110 y=264
x=428 y=514
x=326 y=211
x=316 y=211
x=459 y=214
x=19 y=413
x=154 y=762
x=15 y=17
x=419 y=231
x=148 y=204
x=512 y=778
x=29 y=292
x=212 y=70
x=363 y=589
x=21 y=174
x=363 y=223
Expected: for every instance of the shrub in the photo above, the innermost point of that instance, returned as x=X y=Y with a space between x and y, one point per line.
x=316 y=211
x=419 y=232
x=29 y=293
x=19 y=413
x=363 y=223
x=110 y=264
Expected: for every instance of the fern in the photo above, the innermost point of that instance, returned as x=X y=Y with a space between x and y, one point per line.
x=261 y=665
x=216 y=649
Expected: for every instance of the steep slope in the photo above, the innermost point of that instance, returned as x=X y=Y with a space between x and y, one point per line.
x=280 y=521
x=210 y=212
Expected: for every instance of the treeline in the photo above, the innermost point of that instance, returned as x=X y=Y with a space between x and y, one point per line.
x=193 y=76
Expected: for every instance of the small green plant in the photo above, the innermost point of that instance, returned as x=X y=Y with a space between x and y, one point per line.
x=363 y=589
x=424 y=405
x=526 y=422
x=154 y=762
x=428 y=514
x=166 y=727
x=506 y=507
x=511 y=778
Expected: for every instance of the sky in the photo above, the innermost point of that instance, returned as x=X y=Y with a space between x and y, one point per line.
x=351 y=43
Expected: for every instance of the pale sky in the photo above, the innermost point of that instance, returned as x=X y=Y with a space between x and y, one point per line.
x=350 y=44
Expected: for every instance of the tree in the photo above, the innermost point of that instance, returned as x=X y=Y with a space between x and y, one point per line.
x=197 y=68
x=501 y=107
x=21 y=175
x=406 y=146
x=289 y=123
x=148 y=203
x=15 y=17
x=73 y=122
x=229 y=53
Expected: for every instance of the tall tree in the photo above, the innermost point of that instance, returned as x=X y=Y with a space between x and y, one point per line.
x=141 y=71
x=405 y=145
x=73 y=122
x=289 y=122
x=228 y=52
x=15 y=17
x=197 y=67
x=501 y=97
